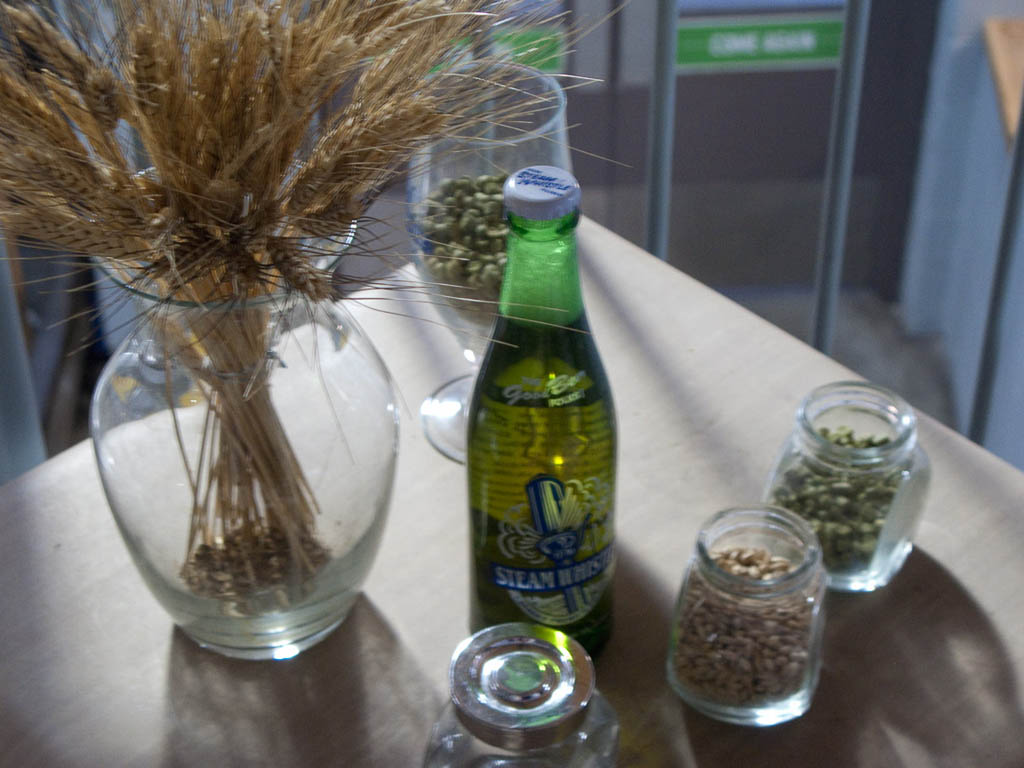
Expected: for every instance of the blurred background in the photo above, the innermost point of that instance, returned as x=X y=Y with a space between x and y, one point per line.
x=754 y=86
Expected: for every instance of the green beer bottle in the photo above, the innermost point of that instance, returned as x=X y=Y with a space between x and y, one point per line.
x=542 y=441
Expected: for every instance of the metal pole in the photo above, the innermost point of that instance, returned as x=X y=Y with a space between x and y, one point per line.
x=839 y=172
x=661 y=131
x=1008 y=245
x=21 y=433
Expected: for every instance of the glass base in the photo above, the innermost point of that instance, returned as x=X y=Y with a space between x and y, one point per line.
x=262 y=653
x=770 y=712
x=443 y=416
x=280 y=635
x=870 y=579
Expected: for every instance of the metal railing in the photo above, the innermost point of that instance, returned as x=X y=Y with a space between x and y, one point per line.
x=836 y=197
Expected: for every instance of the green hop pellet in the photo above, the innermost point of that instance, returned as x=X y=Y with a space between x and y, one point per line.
x=846 y=509
x=464 y=216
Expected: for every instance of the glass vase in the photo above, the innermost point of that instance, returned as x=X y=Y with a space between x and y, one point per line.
x=248 y=451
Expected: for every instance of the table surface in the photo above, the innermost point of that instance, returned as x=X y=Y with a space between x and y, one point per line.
x=926 y=672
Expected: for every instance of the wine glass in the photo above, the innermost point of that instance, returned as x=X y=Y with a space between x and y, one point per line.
x=456 y=223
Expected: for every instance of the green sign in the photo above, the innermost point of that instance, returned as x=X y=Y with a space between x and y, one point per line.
x=541 y=47
x=759 y=42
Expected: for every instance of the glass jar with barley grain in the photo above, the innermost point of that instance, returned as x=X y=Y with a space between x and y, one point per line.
x=745 y=641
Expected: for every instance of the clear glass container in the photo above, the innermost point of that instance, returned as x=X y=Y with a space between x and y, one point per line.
x=248 y=451
x=853 y=468
x=523 y=696
x=745 y=642
x=457 y=227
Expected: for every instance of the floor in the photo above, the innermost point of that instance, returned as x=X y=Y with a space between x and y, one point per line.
x=870 y=340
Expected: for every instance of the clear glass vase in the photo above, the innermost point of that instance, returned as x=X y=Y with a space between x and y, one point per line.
x=248 y=451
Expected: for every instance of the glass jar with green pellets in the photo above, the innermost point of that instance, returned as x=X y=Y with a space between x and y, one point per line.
x=853 y=468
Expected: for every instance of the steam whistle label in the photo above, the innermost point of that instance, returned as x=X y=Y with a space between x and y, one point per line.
x=565 y=541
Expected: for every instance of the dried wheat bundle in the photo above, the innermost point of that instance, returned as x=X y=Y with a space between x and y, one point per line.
x=208 y=151
x=204 y=144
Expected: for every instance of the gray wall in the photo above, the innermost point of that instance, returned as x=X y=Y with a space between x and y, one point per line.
x=954 y=228
x=750 y=150
x=21 y=436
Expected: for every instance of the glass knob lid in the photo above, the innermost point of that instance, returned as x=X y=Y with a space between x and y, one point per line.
x=520 y=686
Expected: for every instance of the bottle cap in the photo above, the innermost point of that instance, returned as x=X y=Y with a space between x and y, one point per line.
x=521 y=686
x=542 y=193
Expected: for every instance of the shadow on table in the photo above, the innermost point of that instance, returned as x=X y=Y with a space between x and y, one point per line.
x=357 y=698
x=913 y=675
x=631 y=669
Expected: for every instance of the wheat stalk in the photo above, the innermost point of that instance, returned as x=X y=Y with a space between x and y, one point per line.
x=255 y=120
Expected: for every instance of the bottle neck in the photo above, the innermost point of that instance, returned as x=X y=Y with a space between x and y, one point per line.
x=542 y=283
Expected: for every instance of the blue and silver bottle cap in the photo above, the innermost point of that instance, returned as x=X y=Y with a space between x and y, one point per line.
x=542 y=193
